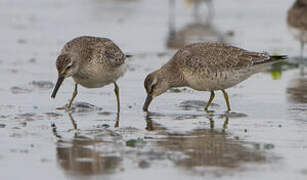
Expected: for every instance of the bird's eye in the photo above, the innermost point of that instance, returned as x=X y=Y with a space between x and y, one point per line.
x=152 y=88
x=68 y=67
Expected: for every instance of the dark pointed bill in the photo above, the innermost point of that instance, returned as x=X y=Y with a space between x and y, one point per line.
x=147 y=103
x=57 y=86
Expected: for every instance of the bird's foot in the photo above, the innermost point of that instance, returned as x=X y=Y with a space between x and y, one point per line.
x=67 y=107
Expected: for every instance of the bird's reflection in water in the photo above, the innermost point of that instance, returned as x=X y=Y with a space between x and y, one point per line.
x=87 y=152
x=297 y=98
x=206 y=146
x=72 y=120
x=200 y=30
x=225 y=124
x=75 y=126
x=152 y=125
x=297 y=90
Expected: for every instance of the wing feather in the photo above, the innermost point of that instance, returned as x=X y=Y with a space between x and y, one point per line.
x=216 y=57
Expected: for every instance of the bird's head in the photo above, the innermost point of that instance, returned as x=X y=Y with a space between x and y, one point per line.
x=67 y=66
x=155 y=84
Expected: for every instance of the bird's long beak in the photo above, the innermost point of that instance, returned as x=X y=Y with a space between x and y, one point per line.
x=57 y=86
x=147 y=102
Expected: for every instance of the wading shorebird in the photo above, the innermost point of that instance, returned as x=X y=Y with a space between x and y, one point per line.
x=206 y=67
x=92 y=62
x=297 y=23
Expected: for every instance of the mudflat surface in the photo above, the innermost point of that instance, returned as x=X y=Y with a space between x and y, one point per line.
x=264 y=137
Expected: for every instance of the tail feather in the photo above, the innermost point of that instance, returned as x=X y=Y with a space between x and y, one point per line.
x=129 y=55
x=272 y=59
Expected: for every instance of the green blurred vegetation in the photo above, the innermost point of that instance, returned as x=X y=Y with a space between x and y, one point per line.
x=134 y=142
x=277 y=68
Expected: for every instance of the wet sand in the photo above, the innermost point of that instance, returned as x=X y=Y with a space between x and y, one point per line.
x=263 y=138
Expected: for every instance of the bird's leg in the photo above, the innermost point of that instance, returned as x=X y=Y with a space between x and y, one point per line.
x=226 y=99
x=117 y=120
x=74 y=94
x=302 y=59
x=116 y=90
x=210 y=100
x=210 y=12
x=196 y=12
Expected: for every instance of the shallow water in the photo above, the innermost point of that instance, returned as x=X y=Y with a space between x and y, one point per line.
x=263 y=138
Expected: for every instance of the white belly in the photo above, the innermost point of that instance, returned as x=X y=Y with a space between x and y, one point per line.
x=217 y=81
x=298 y=34
x=99 y=77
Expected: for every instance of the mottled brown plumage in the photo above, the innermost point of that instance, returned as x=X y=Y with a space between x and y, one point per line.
x=93 y=62
x=206 y=67
x=95 y=50
x=216 y=57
